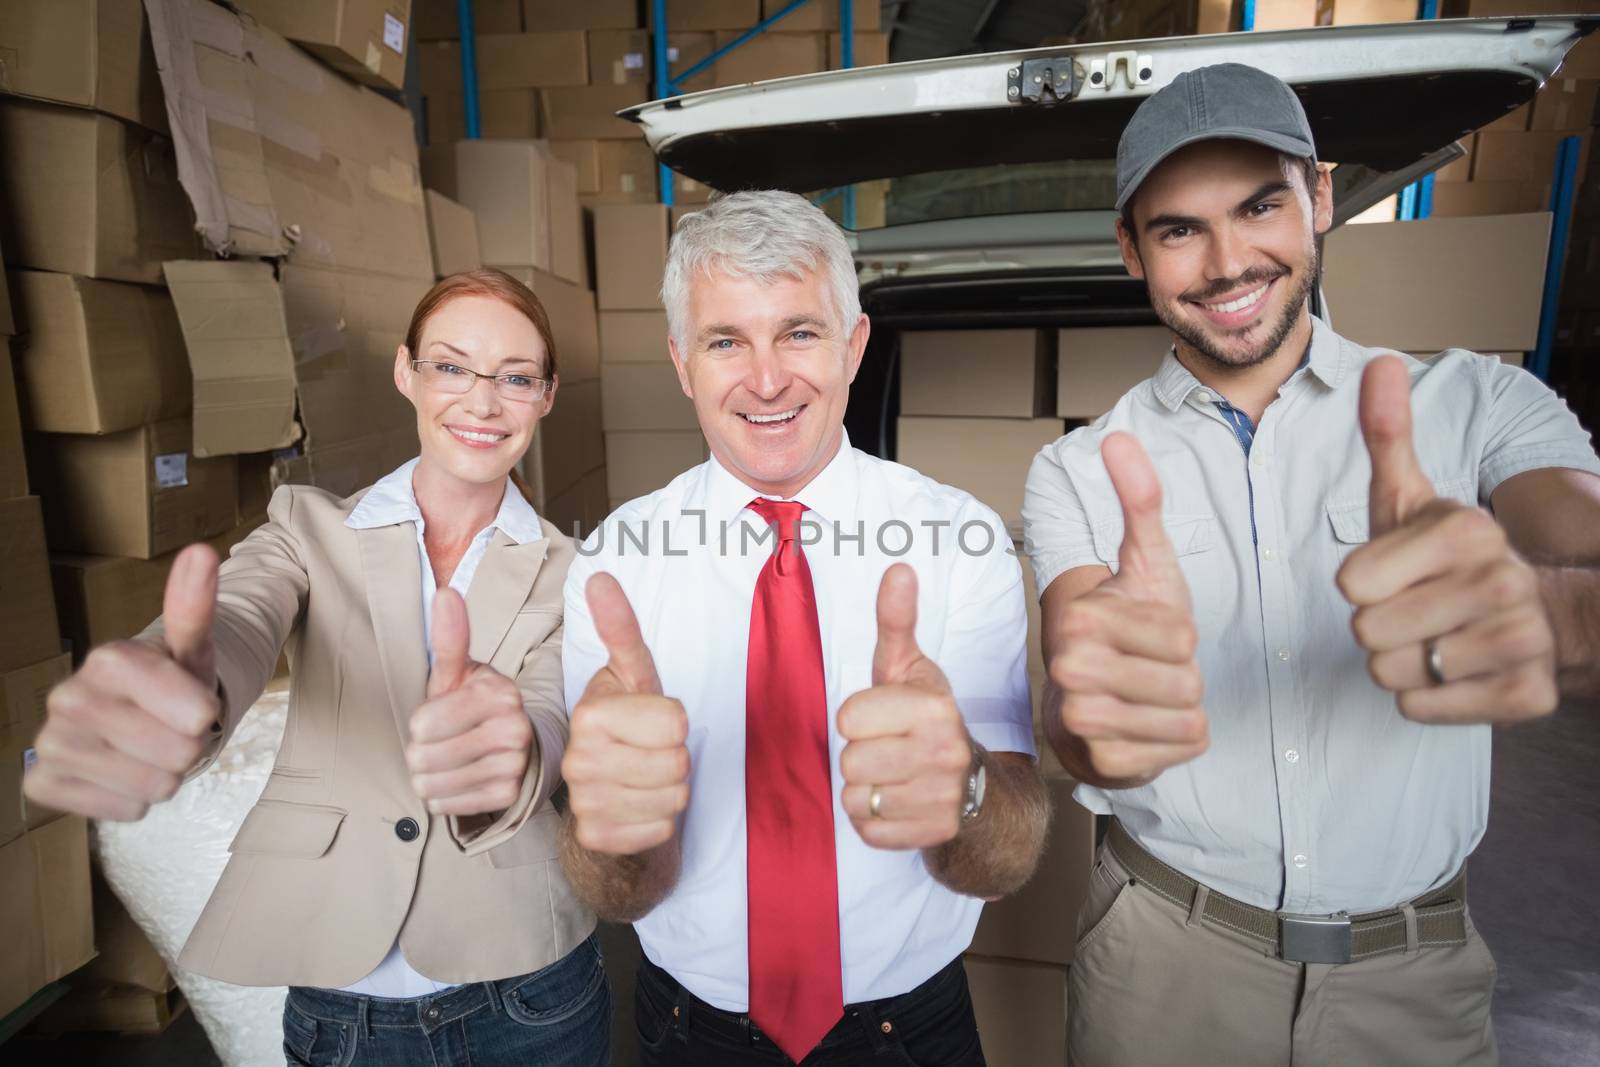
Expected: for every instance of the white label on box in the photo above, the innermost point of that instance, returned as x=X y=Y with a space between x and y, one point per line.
x=627 y=183
x=672 y=53
x=633 y=61
x=394 y=32
x=172 y=470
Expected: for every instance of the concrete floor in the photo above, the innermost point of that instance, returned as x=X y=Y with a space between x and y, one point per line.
x=1533 y=883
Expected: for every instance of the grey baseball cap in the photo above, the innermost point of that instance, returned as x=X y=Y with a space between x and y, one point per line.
x=1228 y=100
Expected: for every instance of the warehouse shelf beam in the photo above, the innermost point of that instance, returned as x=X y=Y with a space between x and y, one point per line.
x=469 y=67
x=1563 y=192
x=666 y=85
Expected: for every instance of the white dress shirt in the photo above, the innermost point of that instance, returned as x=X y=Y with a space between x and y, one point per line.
x=390 y=501
x=1315 y=795
x=691 y=587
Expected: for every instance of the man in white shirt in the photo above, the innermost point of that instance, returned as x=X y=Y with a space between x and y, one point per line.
x=1296 y=788
x=803 y=828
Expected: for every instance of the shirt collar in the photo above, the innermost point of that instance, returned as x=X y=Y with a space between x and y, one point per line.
x=393 y=500
x=1326 y=356
x=830 y=496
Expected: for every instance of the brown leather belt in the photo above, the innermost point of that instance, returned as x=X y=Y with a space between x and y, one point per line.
x=1440 y=915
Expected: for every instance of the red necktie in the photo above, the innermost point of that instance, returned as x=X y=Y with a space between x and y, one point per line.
x=796 y=988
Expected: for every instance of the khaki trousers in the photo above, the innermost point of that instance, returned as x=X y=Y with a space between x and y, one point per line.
x=1147 y=987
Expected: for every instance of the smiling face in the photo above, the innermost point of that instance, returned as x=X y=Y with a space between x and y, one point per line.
x=1226 y=241
x=475 y=437
x=769 y=368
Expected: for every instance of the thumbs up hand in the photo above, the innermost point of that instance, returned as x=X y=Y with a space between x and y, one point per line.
x=1123 y=654
x=627 y=762
x=471 y=739
x=120 y=734
x=905 y=739
x=1449 y=614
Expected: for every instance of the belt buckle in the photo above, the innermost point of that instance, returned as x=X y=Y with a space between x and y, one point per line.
x=1314 y=938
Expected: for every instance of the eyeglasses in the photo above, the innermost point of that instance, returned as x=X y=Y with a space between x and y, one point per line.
x=452 y=378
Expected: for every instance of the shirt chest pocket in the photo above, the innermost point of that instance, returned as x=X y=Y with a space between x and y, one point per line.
x=1350 y=521
x=1194 y=541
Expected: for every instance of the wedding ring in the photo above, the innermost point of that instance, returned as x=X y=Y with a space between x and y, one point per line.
x=875 y=803
x=1433 y=661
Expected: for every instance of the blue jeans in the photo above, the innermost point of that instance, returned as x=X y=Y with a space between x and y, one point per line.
x=557 y=1017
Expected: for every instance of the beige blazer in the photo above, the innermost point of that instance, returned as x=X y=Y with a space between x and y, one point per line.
x=322 y=879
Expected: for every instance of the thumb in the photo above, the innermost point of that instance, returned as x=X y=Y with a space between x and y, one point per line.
x=897 y=659
x=188 y=607
x=1398 y=485
x=618 y=630
x=451 y=635
x=1146 y=557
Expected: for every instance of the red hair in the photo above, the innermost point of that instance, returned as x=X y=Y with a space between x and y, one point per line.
x=489 y=282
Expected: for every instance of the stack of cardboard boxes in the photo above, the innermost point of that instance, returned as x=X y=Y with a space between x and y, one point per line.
x=523 y=201
x=44 y=858
x=650 y=426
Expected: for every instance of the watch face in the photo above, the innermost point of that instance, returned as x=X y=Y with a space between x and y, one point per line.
x=975 y=787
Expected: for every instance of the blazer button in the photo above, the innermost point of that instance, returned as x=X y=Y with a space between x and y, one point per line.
x=406 y=829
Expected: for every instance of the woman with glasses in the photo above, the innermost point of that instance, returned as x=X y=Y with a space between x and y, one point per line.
x=400 y=871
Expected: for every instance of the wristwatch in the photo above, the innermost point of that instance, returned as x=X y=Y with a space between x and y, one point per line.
x=977 y=778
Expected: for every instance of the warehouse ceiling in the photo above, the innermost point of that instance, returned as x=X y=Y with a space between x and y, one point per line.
x=926 y=29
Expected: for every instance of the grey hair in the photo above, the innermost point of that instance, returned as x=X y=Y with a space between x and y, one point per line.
x=766 y=234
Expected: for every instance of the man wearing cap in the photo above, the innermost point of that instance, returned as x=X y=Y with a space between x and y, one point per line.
x=1288 y=584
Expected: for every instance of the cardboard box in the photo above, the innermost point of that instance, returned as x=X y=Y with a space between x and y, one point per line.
x=645 y=396
x=13 y=470
x=282 y=157
x=92 y=53
x=1439 y=283
x=1528 y=156
x=1006 y=373
x=589 y=112
x=140 y=493
x=1459 y=170
x=1039 y=921
x=633 y=336
x=572 y=321
x=822 y=15
x=569 y=443
x=1565 y=104
x=1513 y=121
x=362 y=39
x=989 y=458
x=22 y=711
x=1096 y=365
x=97 y=357
x=453 y=232
x=589 y=15
x=770 y=55
x=871 y=50
x=1455 y=199
x=318 y=343
x=8 y=324
x=581 y=508
x=88 y=194
x=617 y=57
x=507 y=185
x=619 y=172
x=630 y=250
x=688 y=192
x=1293 y=14
x=710 y=14
x=506 y=61
x=112 y=1009
x=1217 y=16
x=47 y=924
x=639 y=463
x=28 y=628
x=1372 y=12
x=569 y=254
x=1021 y=1010
x=435 y=20
x=503 y=114
x=109 y=598
x=126 y=955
